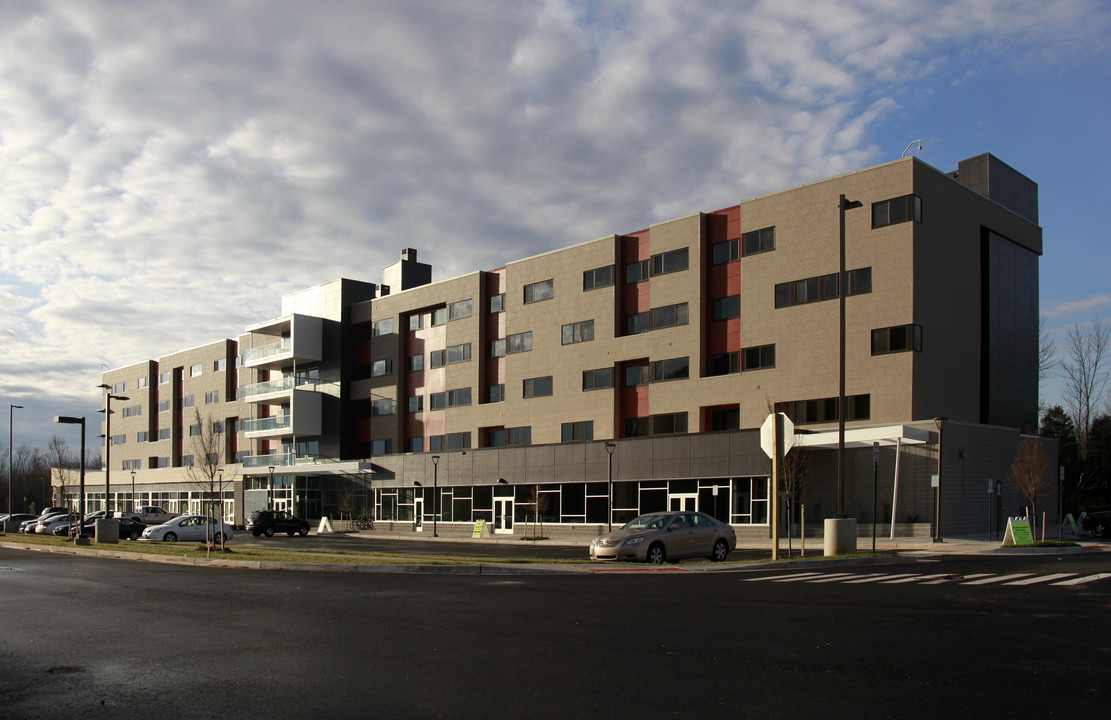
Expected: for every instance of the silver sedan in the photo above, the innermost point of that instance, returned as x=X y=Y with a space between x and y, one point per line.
x=189 y=527
x=659 y=537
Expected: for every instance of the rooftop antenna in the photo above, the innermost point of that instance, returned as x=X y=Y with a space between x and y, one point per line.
x=911 y=143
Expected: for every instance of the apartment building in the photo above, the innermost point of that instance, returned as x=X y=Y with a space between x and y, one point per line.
x=632 y=373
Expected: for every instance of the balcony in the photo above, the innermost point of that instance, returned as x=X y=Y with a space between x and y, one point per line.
x=263 y=354
x=272 y=389
x=298 y=339
x=279 y=460
x=275 y=426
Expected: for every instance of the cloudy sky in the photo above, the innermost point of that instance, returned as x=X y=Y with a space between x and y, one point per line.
x=169 y=169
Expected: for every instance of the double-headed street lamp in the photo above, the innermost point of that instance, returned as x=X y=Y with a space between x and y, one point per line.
x=842 y=290
x=69 y=420
x=132 y=491
x=108 y=398
x=10 y=476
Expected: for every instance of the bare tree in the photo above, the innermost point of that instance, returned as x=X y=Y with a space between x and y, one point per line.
x=1047 y=352
x=62 y=461
x=1030 y=472
x=1084 y=371
x=207 y=469
x=794 y=470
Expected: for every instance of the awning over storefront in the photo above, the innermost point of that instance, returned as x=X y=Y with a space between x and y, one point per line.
x=865 y=437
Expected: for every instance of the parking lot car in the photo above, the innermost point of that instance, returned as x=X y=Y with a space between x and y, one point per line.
x=129 y=529
x=31 y=526
x=272 y=521
x=1097 y=523
x=668 y=536
x=189 y=528
x=16 y=519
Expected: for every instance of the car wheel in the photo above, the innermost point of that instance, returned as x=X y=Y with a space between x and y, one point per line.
x=269 y=532
x=720 y=552
x=657 y=555
x=256 y=533
x=304 y=530
x=220 y=537
x=170 y=537
x=134 y=535
x=1099 y=529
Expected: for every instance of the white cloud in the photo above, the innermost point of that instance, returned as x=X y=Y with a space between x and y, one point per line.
x=1076 y=307
x=171 y=169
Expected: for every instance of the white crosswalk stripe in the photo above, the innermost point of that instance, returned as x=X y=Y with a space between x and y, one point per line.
x=980 y=579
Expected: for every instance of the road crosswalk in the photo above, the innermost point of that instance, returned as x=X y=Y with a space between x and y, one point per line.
x=1009 y=579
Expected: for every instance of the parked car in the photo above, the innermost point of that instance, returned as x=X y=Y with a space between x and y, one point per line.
x=129 y=529
x=28 y=526
x=47 y=524
x=1097 y=523
x=16 y=518
x=661 y=537
x=147 y=514
x=272 y=521
x=189 y=528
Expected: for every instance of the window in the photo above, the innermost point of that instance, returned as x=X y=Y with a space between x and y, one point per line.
x=381 y=447
x=196 y=370
x=669 y=423
x=142 y=436
x=897 y=210
x=598 y=379
x=760 y=357
x=636 y=375
x=218 y=427
x=538 y=387
x=674 y=369
x=451 y=398
x=598 y=278
x=578 y=332
x=636 y=272
x=381 y=406
x=164 y=433
x=187 y=401
x=416 y=403
x=901 y=338
x=163 y=406
x=159 y=462
x=543 y=290
x=439 y=316
x=133 y=411
x=416 y=445
x=725 y=419
x=143 y=382
x=726 y=251
x=164 y=378
x=638 y=323
x=727 y=308
x=452 y=355
x=132 y=465
x=119 y=439
x=669 y=316
x=824 y=410
x=212 y=397
x=509 y=437
x=437 y=358
x=186 y=461
x=638 y=426
x=415 y=363
x=669 y=262
x=520 y=342
x=458 y=441
x=577 y=431
x=459 y=310
x=416 y=322
x=194 y=430
x=119 y=388
x=758 y=241
x=497 y=303
x=725 y=363
x=220 y=365
x=824 y=287
x=381 y=367
x=235 y=425
x=497 y=393
x=382 y=327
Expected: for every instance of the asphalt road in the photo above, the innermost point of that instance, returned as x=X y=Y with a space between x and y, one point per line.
x=115 y=638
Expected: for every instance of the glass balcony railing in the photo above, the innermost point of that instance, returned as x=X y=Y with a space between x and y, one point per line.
x=275 y=386
x=268 y=351
x=280 y=422
x=278 y=460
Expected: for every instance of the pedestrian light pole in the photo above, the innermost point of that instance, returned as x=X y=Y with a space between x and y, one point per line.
x=11 y=477
x=435 y=491
x=610 y=447
x=108 y=398
x=79 y=539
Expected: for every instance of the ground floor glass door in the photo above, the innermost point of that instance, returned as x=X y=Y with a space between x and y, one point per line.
x=503 y=515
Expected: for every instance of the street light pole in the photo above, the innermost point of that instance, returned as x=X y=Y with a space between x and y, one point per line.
x=940 y=422
x=132 y=491
x=842 y=290
x=79 y=539
x=11 y=477
x=108 y=398
x=270 y=490
x=610 y=447
x=435 y=490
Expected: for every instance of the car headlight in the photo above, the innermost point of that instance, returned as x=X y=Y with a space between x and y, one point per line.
x=635 y=540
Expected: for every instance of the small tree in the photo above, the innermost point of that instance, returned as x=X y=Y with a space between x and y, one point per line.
x=62 y=462
x=1030 y=472
x=794 y=470
x=207 y=470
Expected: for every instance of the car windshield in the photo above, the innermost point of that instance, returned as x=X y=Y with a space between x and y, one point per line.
x=647 y=522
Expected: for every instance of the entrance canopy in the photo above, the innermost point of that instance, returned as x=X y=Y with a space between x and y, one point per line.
x=864 y=437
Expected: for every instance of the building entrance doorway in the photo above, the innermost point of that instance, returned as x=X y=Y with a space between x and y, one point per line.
x=503 y=515
x=418 y=514
x=684 y=501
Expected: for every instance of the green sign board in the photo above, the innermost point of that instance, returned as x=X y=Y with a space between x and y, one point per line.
x=478 y=526
x=1018 y=533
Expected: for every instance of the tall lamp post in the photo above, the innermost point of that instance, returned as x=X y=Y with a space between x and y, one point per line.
x=132 y=491
x=610 y=447
x=270 y=489
x=11 y=477
x=940 y=422
x=435 y=490
x=108 y=398
x=842 y=290
x=79 y=539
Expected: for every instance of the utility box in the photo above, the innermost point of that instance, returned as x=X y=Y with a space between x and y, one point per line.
x=107 y=531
